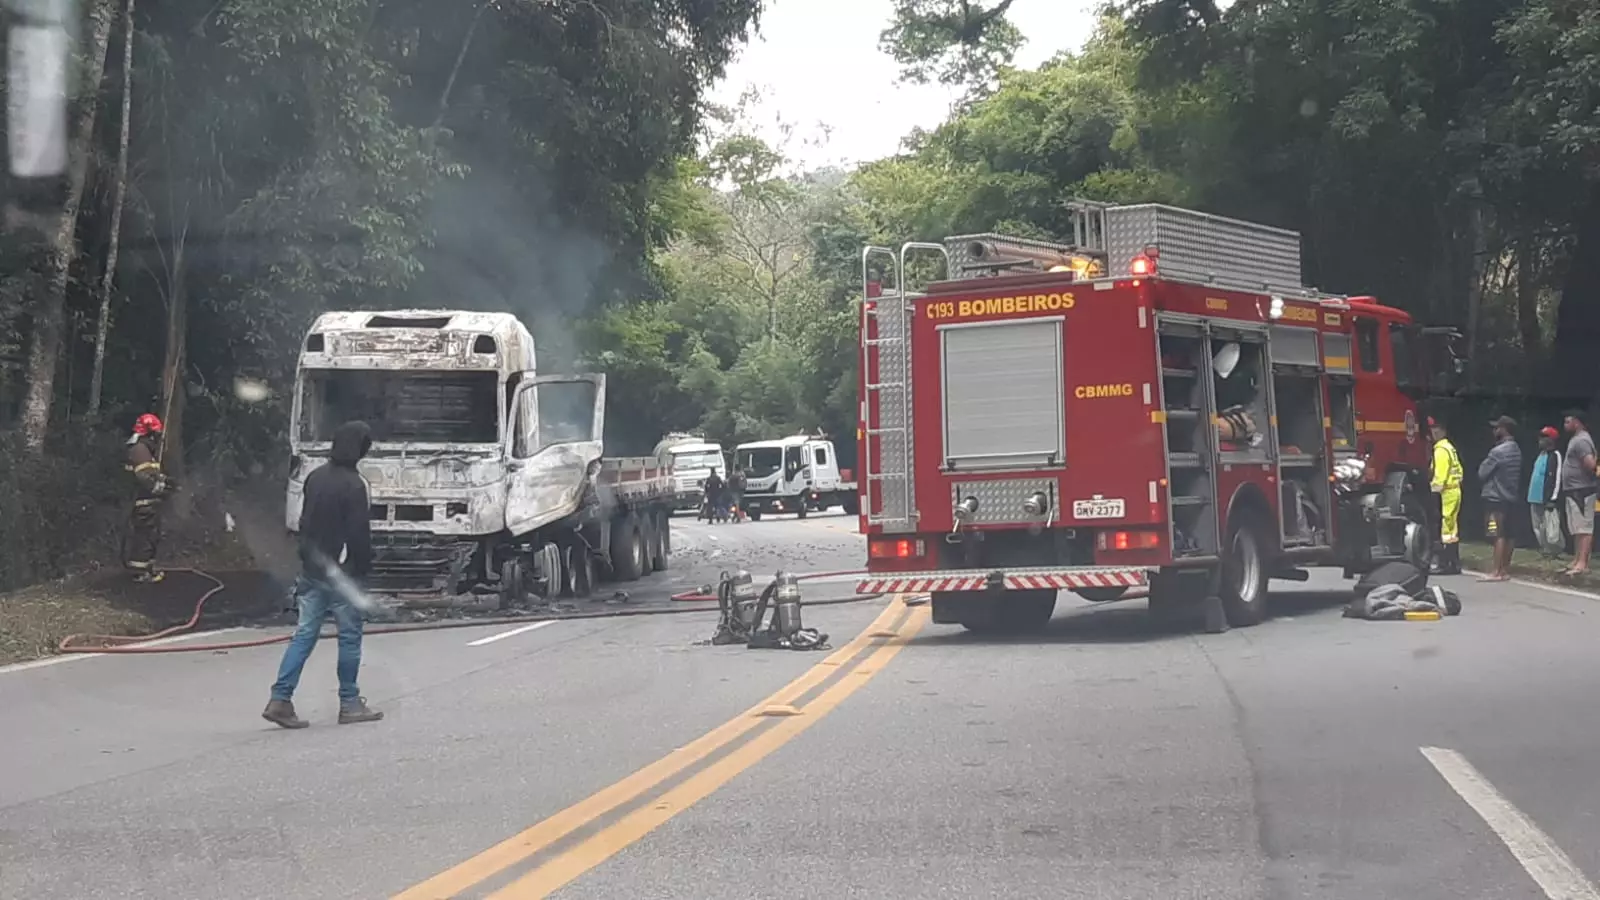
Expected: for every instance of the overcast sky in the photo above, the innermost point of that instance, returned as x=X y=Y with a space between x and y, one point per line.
x=816 y=63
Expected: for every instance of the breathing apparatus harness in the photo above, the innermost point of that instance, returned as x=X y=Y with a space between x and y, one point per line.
x=744 y=612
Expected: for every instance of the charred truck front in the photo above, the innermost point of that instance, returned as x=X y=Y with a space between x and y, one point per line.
x=485 y=478
x=1158 y=405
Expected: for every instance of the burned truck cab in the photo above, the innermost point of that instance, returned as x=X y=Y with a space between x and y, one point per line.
x=435 y=387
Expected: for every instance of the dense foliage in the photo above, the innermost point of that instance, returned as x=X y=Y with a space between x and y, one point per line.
x=553 y=158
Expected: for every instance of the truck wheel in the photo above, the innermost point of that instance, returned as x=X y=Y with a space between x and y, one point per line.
x=548 y=568
x=1419 y=531
x=661 y=547
x=579 y=570
x=851 y=503
x=627 y=549
x=647 y=537
x=1244 y=575
x=804 y=508
x=755 y=514
x=1101 y=594
x=513 y=584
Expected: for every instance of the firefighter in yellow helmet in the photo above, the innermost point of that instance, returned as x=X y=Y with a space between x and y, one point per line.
x=152 y=487
x=1447 y=484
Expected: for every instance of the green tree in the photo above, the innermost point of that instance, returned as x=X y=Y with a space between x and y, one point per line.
x=957 y=42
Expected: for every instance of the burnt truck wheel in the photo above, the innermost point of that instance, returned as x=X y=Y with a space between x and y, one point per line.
x=581 y=572
x=549 y=571
x=1244 y=575
x=647 y=537
x=627 y=549
x=661 y=547
x=1101 y=594
x=513 y=583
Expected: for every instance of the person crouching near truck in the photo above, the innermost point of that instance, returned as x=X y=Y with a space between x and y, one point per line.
x=1501 y=474
x=1544 y=495
x=334 y=525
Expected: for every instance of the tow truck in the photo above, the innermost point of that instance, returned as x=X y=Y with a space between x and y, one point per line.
x=1157 y=405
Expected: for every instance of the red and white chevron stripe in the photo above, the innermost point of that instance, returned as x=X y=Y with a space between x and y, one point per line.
x=1061 y=579
x=921 y=584
x=1070 y=580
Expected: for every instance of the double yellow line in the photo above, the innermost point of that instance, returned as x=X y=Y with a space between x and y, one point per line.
x=895 y=626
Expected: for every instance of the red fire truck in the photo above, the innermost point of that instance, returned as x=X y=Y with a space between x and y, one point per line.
x=1159 y=406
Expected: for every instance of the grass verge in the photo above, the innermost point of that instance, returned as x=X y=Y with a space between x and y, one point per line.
x=34 y=620
x=1530 y=565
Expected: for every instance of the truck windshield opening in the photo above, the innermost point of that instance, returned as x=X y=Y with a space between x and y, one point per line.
x=697 y=459
x=425 y=407
x=759 y=462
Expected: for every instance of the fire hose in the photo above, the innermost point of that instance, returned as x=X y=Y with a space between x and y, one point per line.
x=138 y=644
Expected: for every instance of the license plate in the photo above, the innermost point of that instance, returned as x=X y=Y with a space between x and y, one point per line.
x=1099 y=509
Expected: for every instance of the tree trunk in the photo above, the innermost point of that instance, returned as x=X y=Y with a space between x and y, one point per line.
x=120 y=192
x=172 y=380
x=45 y=348
x=1578 y=315
x=1528 y=301
x=1478 y=235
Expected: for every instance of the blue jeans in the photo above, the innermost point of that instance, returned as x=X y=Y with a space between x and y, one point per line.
x=316 y=599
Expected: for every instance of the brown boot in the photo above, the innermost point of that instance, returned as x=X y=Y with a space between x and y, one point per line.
x=281 y=713
x=353 y=711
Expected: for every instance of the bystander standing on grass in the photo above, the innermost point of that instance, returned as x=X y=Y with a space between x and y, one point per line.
x=1501 y=474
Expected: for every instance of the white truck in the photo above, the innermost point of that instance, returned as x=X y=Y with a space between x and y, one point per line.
x=485 y=478
x=797 y=474
x=692 y=459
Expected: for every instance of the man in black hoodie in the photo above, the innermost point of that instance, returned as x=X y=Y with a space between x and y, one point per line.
x=334 y=529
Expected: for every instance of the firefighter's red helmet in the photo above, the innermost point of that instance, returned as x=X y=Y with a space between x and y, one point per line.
x=149 y=423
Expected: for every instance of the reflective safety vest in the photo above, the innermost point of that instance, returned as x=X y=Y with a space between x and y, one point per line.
x=1446 y=466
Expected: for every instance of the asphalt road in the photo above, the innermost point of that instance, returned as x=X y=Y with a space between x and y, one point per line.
x=1310 y=756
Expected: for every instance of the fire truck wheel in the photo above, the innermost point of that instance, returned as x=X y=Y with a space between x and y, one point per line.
x=1101 y=594
x=1419 y=534
x=627 y=549
x=1244 y=579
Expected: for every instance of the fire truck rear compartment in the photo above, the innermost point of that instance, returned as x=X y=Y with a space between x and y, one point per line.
x=1002 y=416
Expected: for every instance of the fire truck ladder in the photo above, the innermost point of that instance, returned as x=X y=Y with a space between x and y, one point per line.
x=886 y=402
x=885 y=348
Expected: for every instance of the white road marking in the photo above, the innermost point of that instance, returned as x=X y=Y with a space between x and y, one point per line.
x=512 y=633
x=74 y=657
x=1554 y=872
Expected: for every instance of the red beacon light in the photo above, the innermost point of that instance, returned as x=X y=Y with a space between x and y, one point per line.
x=1145 y=262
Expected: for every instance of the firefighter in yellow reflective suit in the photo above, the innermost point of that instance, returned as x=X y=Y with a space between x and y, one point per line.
x=1447 y=484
